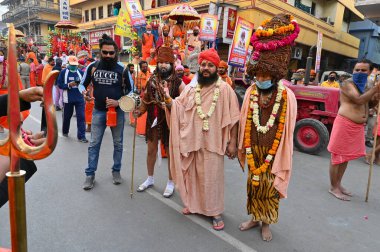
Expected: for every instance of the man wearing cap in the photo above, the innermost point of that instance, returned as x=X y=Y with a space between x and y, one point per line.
x=153 y=103
x=148 y=42
x=203 y=128
x=68 y=80
x=24 y=71
x=222 y=71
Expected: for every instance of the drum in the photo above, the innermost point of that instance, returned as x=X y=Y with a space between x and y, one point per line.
x=129 y=102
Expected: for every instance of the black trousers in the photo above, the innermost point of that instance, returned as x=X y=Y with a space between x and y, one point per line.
x=29 y=167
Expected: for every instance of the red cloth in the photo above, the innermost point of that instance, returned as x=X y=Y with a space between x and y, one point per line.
x=209 y=55
x=186 y=79
x=347 y=141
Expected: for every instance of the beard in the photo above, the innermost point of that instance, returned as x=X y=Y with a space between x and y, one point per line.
x=108 y=63
x=206 y=81
x=165 y=73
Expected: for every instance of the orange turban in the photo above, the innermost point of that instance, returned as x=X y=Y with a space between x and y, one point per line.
x=209 y=55
x=165 y=55
x=148 y=26
x=223 y=64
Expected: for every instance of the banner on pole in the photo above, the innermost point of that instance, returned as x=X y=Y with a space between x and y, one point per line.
x=64 y=10
x=240 y=43
x=123 y=23
x=231 y=22
x=135 y=12
x=319 y=52
x=209 y=27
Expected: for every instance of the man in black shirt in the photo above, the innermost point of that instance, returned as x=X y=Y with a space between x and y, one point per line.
x=109 y=85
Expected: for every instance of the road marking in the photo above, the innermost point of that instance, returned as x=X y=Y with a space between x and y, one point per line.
x=39 y=122
x=206 y=225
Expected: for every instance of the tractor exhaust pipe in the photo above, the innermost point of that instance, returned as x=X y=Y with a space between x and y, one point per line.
x=309 y=62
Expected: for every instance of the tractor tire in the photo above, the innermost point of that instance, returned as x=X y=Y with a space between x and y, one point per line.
x=311 y=136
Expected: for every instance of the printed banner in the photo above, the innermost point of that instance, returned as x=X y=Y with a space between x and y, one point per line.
x=231 y=22
x=135 y=12
x=123 y=24
x=65 y=10
x=209 y=27
x=319 y=52
x=96 y=35
x=240 y=43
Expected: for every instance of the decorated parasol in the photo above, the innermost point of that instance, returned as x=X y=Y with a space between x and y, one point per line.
x=19 y=34
x=66 y=24
x=185 y=11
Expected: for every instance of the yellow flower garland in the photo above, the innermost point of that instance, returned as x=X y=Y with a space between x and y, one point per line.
x=247 y=140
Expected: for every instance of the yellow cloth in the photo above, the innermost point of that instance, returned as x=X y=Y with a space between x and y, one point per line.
x=328 y=85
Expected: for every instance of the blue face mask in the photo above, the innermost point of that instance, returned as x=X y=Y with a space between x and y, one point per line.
x=264 y=84
x=360 y=80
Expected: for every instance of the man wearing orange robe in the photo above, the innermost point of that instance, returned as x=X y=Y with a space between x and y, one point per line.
x=140 y=82
x=148 y=42
x=223 y=73
x=203 y=123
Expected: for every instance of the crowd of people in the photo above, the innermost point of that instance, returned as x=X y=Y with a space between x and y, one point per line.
x=195 y=117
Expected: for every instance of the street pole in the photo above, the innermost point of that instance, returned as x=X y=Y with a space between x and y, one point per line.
x=309 y=62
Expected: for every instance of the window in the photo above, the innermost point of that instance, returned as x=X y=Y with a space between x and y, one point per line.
x=109 y=10
x=86 y=16
x=100 y=10
x=313 y=6
x=298 y=4
x=93 y=14
x=162 y=3
x=116 y=8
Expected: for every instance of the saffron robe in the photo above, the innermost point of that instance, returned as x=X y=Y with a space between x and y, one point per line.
x=197 y=156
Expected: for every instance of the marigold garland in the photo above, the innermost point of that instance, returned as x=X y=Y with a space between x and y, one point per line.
x=247 y=138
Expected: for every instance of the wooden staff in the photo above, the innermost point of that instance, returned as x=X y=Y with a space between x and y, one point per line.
x=133 y=152
x=373 y=152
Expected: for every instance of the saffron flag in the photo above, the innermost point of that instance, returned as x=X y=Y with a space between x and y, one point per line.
x=240 y=43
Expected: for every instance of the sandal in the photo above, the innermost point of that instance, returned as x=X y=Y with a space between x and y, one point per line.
x=215 y=222
x=143 y=187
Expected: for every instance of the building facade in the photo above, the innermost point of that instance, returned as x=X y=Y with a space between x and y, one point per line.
x=35 y=17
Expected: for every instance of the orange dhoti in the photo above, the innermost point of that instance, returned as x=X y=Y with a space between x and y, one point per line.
x=89 y=107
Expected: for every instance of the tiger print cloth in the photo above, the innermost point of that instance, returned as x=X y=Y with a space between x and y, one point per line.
x=263 y=200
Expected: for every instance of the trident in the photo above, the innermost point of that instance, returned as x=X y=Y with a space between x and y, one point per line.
x=15 y=147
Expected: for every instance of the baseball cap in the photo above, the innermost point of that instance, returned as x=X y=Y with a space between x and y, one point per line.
x=73 y=60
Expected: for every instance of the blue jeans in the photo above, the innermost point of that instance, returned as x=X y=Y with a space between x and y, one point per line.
x=98 y=126
x=68 y=109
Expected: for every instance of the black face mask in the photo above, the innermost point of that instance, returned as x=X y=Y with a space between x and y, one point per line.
x=196 y=33
x=312 y=79
x=331 y=78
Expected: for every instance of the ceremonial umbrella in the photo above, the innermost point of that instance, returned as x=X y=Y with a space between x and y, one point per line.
x=185 y=11
x=67 y=24
x=19 y=34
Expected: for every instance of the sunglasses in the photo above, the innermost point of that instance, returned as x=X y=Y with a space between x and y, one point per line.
x=108 y=52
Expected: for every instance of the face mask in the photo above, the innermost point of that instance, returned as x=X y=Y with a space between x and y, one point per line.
x=195 y=33
x=149 y=32
x=360 y=80
x=166 y=34
x=264 y=84
x=331 y=78
x=2 y=58
x=72 y=68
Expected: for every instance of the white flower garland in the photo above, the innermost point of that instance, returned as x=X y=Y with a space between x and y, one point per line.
x=198 y=102
x=255 y=106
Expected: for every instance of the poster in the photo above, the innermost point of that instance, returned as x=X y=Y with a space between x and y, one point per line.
x=94 y=36
x=123 y=23
x=135 y=12
x=319 y=52
x=64 y=10
x=231 y=22
x=209 y=27
x=240 y=43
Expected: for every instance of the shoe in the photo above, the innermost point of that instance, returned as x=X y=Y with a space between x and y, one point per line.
x=65 y=135
x=83 y=140
x=147 y=184
x=117 y=180
x=57 y=108
x=368 y=144
x=89 y=182
x=169 y=190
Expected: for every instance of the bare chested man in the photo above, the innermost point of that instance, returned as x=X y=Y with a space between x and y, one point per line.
x=347 y=136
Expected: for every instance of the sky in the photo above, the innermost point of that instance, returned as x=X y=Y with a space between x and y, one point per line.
x=3 y=9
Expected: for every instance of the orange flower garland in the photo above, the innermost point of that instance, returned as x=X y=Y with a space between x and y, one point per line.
x=261 y=32
x=272 y=152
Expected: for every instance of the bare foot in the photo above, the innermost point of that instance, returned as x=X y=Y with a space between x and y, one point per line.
x=345 y=191
x=368 y=158
x=248 y=225
x=186 y=211
x=266 y=233
x=339 y=195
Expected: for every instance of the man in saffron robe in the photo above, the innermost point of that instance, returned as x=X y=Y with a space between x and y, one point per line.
x=148 y=42
x=203 y=128
x=266 y=128
x=222 y=71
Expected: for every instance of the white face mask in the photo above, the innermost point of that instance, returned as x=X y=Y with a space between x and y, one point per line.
x=149 y=32
x=2 y=58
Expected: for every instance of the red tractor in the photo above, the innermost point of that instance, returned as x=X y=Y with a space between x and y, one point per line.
x=317 y=108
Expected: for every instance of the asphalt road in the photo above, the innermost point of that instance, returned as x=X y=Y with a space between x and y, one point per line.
x=63 y=217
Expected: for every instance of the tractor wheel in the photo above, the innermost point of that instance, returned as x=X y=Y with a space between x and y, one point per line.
x=311 y=136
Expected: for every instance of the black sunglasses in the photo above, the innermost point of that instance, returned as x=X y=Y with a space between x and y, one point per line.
x=108 y=52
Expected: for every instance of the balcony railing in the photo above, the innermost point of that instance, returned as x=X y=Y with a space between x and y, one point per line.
x=36 y=6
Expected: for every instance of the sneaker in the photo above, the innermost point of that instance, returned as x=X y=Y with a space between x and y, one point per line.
x=89 y=182
x=65 y=135
x=57 y=108
x=368 y=144
x=83 y=140
x=117 y=180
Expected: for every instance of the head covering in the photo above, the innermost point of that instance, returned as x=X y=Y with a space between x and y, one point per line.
x=312 y=72
x=223 y=64
x=179 y=67
x=165 y=55
x=148 y=26
x=73 y=61
x=209 y=55
x=82 y=53
x=272 y=46
x=186 y=70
